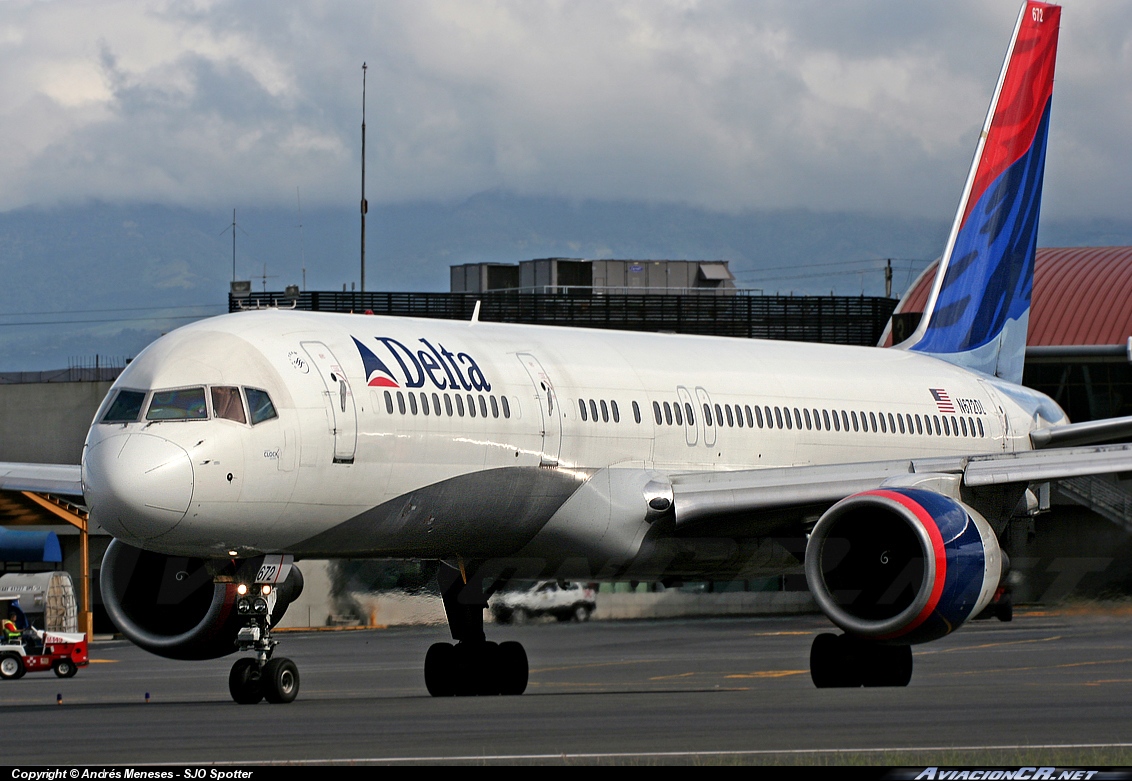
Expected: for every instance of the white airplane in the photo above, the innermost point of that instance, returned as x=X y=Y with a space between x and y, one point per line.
x=235 y=445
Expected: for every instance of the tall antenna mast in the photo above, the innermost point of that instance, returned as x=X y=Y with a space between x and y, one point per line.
x=302 y=249
x=365 y=206
x=233 y=228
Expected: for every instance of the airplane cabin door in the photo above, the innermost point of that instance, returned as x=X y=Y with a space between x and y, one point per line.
x=691 y=424
x=705 y=412
x=547 y=401
x=340 y=399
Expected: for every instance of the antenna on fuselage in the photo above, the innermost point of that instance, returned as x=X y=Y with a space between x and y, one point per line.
x=476 y=312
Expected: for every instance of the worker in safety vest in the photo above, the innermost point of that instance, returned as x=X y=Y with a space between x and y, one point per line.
x=11 y=631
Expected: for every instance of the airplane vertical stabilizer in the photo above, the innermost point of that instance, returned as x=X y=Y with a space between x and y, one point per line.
x=979 y=307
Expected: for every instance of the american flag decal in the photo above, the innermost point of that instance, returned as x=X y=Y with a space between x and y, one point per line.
x=942 y=400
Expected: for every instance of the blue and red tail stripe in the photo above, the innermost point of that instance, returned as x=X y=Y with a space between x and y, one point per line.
x=979 y=310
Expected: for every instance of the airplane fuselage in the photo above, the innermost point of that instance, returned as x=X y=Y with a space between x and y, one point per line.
x=408 y=438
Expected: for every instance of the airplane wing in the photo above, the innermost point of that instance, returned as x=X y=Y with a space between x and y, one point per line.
x=62 y=479
x=699 y=497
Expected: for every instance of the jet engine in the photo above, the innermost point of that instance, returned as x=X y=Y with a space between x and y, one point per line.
x=171 y=606
x=902 y=566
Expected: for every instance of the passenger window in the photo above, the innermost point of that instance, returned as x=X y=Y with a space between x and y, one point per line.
x=447 y=405
x=730 y=417
x=678 y=413
x=483 y=407
x=494 y=407
x=817 y=420
x=980 y=420
x=707 y=415
x=604 y=411
x=900 y=420
x=593 y=410
x=739 y=416
x=582 y=410
x=227 y=404
x=718 y=416
x=750 y=418
x=506 y=407
x=873 y=421
x=963 y=423
x=636 y=412
x=689 y=414
x=126 y=407
x=807 y=415
x=184 y=404
x=778 y=416
x=786 y=414
x=825 y=417
x=616 y=412
x=759 y=415
x=401 y=402
x=459 y=404
x=471 y=406
x=388 y=402
x=424 y=402
x=836 y=421
x=413 y=403
x=797 y=419
x=668 y=413
x=656 y=413
x=435 y=404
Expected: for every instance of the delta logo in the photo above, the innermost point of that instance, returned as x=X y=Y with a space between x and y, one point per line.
x=443 y=368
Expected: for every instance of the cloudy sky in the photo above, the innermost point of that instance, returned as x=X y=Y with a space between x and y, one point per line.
x=727 y=106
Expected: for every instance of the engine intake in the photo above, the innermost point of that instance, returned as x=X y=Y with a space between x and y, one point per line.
x=170 y=606
x=902 y=565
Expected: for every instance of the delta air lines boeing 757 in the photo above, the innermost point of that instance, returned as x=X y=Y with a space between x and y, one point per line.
x=235 y=446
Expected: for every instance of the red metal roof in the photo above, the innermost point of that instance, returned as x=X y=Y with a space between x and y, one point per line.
x=1082 y=295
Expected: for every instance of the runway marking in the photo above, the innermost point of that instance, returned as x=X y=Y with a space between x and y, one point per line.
x=664 y=754
x=1028 y=668
x=670 y=677
x=103 y=661
x=780 y=634
x=994 y=645
x=768 y=674
x=593 y=665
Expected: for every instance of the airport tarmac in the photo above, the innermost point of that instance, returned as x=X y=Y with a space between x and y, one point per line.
x=643 y=692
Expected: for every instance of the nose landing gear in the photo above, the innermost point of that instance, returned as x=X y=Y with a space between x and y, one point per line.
x=262 y=677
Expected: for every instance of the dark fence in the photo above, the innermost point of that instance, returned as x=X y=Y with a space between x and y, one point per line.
x=831 y=319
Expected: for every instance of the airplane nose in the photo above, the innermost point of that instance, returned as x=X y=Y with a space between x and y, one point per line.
x=137 y=486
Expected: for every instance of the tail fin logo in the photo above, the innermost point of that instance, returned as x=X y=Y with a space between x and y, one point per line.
x=979 y=308
x=377 y=373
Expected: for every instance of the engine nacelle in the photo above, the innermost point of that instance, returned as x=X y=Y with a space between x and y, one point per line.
x=902 y=565
x=170 y=606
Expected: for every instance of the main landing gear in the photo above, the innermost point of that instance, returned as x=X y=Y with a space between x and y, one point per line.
x=842 y=661
x=260 y=677
x=474 y=665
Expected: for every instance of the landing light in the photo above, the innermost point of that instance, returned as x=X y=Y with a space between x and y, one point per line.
x=242 y=589
x=265 y=590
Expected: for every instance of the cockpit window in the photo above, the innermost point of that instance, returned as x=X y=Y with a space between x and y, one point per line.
x=183 y=404
x=260 y=405
x=226 y=404
x=126 y=407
